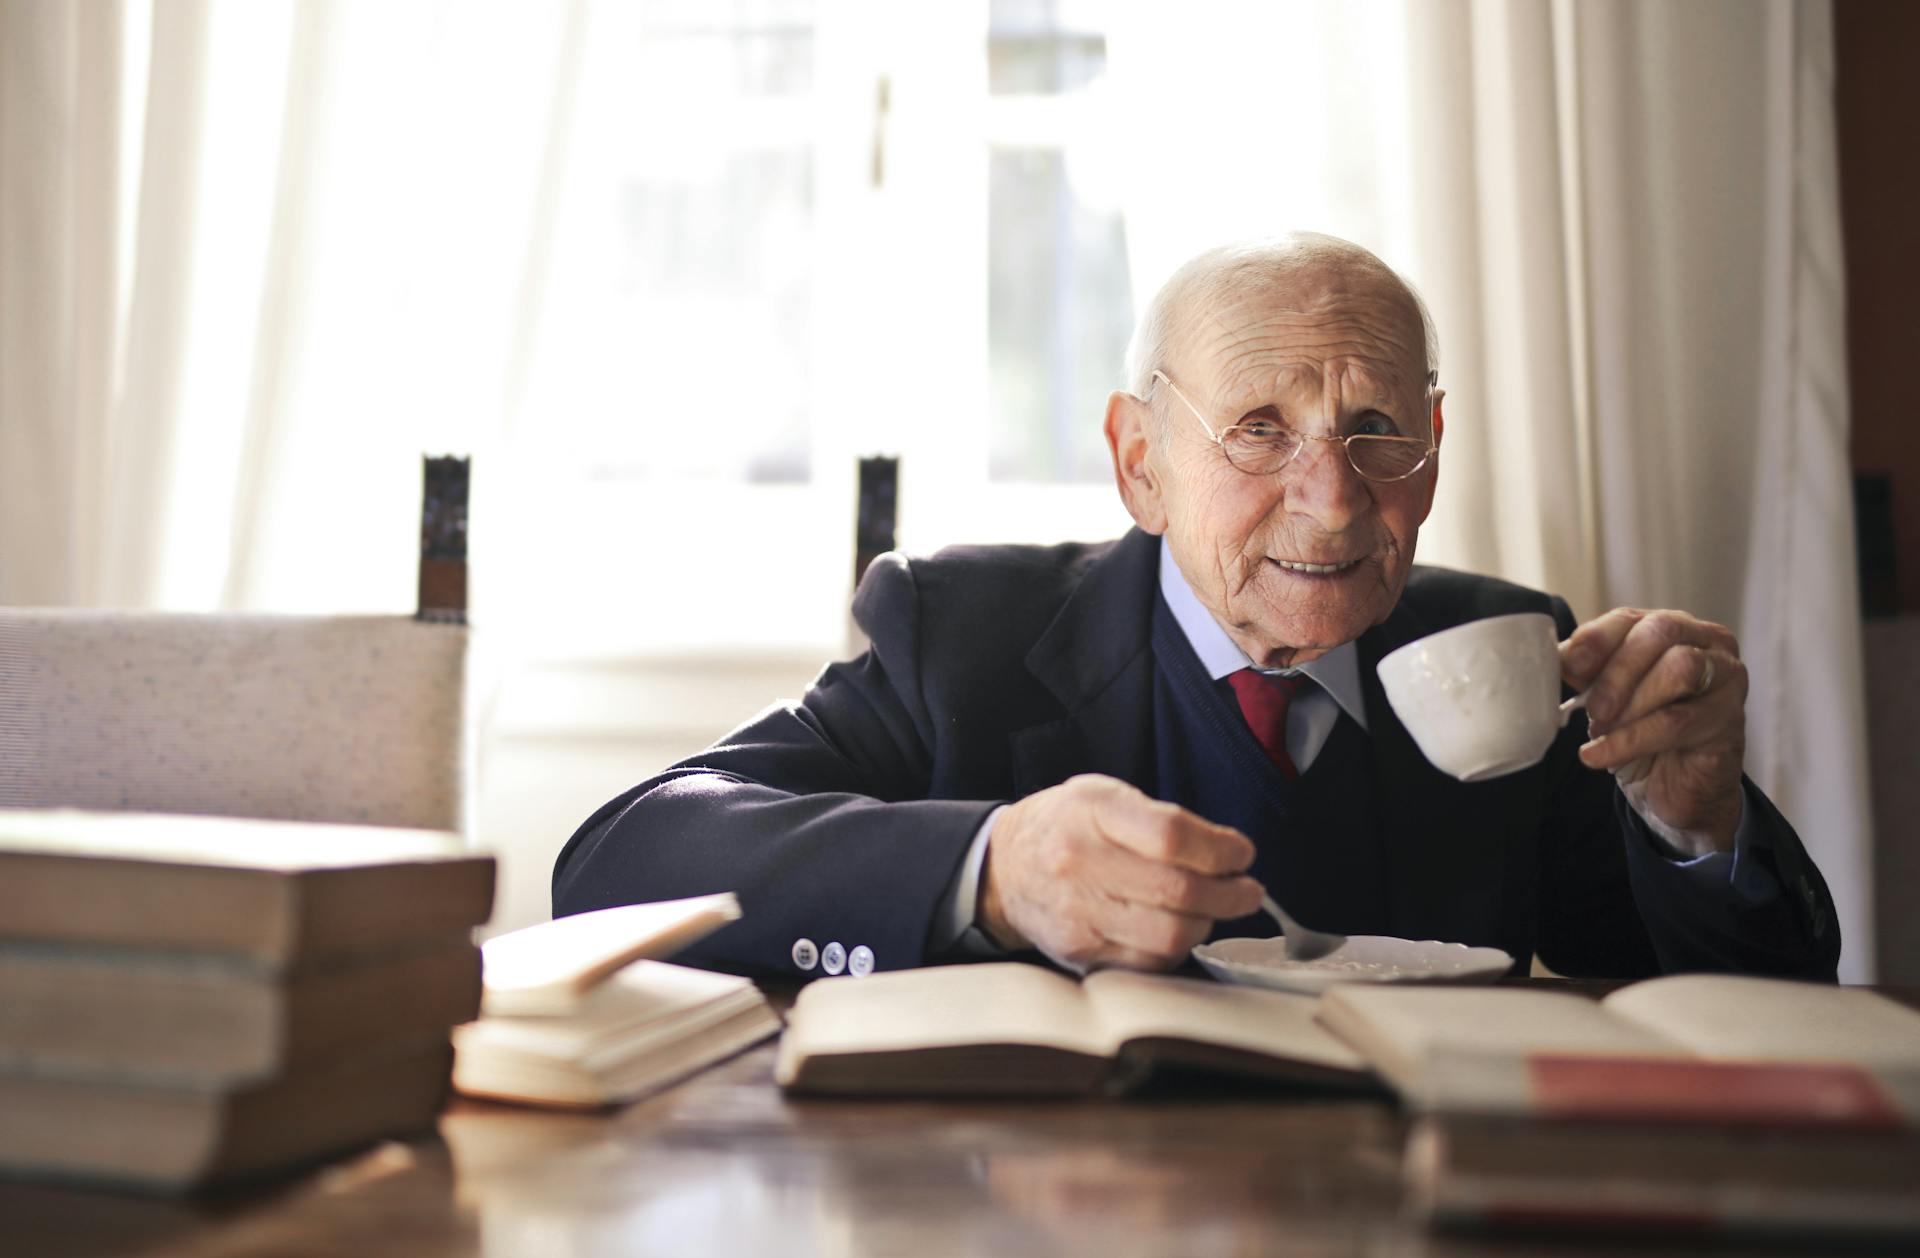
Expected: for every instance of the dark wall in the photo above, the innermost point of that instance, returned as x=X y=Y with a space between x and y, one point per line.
x=1877 y=48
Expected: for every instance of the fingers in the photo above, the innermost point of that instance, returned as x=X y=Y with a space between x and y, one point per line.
x=1689 y=676
x=1133 y=879
x=1592 y=644
x=1666 y=704
x=1631 y=662
x=1094 y=872
x=1676 y=727
x=1156 y=933
x=1170 y=835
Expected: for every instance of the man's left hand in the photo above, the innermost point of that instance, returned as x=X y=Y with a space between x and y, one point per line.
x=1666 y=707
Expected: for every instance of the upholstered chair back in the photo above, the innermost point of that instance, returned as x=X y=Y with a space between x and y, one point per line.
x=357 y=719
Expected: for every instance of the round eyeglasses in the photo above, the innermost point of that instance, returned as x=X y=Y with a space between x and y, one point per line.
x=1261 y=447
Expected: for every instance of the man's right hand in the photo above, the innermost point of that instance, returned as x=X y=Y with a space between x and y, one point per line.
x=1094 y=873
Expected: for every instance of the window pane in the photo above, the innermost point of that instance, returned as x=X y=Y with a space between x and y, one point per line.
x=1035 y=49
x=717 y=293
x=676 y=337
x=1060 y=309
x=702 y=48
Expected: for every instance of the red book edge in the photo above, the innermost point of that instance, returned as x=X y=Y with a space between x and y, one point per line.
x=1835 y=1095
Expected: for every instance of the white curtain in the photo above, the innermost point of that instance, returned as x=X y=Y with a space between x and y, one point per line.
x=257 y=258
x=64 y=283
x=1624 y=214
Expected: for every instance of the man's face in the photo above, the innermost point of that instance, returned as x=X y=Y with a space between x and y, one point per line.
x=1326 y=354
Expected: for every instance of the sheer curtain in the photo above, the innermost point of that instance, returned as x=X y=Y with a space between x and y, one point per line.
x=258 y=257
x=1624 y=217
x=255 y=257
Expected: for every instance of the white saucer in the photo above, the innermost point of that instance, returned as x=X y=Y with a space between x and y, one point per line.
x=1362 y=959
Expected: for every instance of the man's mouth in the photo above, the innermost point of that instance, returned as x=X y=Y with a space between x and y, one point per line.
x=1316 y=569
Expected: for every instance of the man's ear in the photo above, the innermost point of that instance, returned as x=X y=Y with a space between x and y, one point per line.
x=1432 y=472
x=1130 y=440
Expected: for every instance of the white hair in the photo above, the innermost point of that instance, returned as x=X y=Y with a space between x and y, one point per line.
x=1221 y=275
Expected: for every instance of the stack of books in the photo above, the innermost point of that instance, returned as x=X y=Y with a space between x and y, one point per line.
x=187 y=1001
x=1695 y=1104
x=579 y=1013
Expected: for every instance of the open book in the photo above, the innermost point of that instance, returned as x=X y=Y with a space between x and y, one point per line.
x=1690 y=1048
x=1012 y=1028
x=574 y=1014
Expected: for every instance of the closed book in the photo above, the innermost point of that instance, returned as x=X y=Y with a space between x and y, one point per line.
x=1007 y=1028
x=648 y=1025
x=211 y=1021
x=1702 y=1181
x=172 y=1139
x=575 y=1014
x=273 y=891
x=548 y=968
x=1691 y=1048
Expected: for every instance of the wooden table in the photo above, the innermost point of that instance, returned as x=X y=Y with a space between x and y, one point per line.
x=726 y=1165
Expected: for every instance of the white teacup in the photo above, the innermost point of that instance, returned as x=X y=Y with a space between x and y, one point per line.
x=1483 y=698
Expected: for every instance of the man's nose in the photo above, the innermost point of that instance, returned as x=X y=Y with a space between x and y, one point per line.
x=1322 y=485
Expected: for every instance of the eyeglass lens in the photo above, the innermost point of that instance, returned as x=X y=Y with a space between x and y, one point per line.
x=1376 y=458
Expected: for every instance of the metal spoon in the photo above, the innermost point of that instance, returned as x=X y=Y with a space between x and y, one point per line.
x=1302 y=944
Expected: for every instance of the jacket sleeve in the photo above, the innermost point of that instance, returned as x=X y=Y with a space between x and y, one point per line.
x=1613 y=906
x=813 y=813
x=1699 y=920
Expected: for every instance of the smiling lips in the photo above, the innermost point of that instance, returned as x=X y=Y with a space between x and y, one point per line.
x=1316 y=569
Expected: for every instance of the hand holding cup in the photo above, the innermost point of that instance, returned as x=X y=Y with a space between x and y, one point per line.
x=1665 y=695
x=1667 y=708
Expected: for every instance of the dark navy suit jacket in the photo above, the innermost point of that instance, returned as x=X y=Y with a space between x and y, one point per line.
x=997 y=671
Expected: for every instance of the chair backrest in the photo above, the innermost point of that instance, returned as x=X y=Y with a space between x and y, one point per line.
x=357 y=719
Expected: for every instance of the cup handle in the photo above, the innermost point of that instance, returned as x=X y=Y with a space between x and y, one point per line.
x=1571 y=706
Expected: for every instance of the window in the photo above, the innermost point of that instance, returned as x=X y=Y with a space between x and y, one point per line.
x=1059 y=305
x=787 y=235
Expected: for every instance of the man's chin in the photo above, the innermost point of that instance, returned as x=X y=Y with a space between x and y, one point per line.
x=1304 y=635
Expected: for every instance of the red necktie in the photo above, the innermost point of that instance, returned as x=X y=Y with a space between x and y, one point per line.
x=1263 y=701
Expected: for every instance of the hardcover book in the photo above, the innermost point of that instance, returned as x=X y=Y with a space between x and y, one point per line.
x=273 y=891
x=1687 y=1048
x=1014 y=1029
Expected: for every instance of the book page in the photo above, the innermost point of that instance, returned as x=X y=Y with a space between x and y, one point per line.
x=644 y=998
x=1721 y=1015
x=1463 y=1047
x=1132 y=1006
x=943 y=1006
x=552 y=967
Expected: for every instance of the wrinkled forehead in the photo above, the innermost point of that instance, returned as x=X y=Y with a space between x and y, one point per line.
x=1360 y=335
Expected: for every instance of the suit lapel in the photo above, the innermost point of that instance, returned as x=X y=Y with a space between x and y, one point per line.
x=1095 y=658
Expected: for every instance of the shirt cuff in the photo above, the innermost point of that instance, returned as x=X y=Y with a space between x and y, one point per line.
x=1749 y=877
x=955 y=933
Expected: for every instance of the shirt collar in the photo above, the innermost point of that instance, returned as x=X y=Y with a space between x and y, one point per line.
x=1337 y=672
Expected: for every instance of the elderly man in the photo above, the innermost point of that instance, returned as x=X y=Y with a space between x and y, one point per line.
x=1104 y=752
